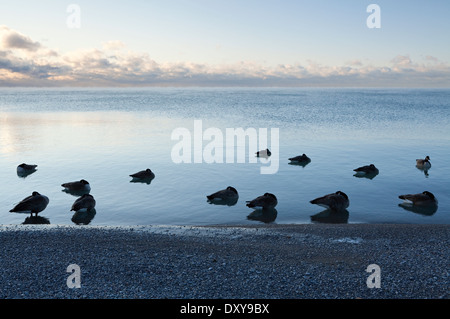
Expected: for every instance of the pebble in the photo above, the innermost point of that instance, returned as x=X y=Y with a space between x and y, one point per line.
x=267 y=262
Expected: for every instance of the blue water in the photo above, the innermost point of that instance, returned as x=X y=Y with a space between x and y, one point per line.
x=104 y=135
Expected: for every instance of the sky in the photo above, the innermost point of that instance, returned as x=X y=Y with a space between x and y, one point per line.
x=225 y=43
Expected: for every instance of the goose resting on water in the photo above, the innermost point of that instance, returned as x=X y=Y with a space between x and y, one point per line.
x=146 y=174
x=266 y=201
x=300 y=159
x=423 y=163
x=425 y=198
x=228 y=194
x=84 y=203
x=264 y=153
x=337 y=201
x=79 y=186
x=368 y=169
x=24 y=170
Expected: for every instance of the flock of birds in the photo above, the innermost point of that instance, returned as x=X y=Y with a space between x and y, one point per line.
x=335 y=202
x=36 y=202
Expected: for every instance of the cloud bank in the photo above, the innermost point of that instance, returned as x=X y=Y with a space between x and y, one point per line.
x=25 y=62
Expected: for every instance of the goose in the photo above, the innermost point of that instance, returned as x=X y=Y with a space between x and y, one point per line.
x=425 y=198
x=228 y=194
x=146 y=174
x=300 y=159
x=84 y=203
x=24 y=170
x=79 y=186
x=337 y=201
x=368 y=169
x=35 y=203
x=266 y=201
x=423 y=163
x=264 y=153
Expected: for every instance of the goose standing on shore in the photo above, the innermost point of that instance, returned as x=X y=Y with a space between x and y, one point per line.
x=35 y=203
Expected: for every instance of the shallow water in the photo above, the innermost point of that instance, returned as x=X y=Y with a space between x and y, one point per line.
x=104 y=135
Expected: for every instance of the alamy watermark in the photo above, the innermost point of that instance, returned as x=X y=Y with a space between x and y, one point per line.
x=374 y=19
x=374 y=280
x=73 y=21
x=74 y=280
x=226 y=148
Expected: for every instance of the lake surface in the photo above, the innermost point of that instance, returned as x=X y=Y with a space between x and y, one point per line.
x=104 y=135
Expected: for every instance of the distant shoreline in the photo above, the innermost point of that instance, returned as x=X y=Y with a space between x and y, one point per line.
x=308 y=261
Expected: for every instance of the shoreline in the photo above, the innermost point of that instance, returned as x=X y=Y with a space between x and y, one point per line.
x=266 y=261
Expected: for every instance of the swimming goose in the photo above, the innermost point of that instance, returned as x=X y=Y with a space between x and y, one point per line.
x=79 y=186
x=368 y=169
x=35 y=203
x=423 y=163
x=337 y=201
x=264 y=153
x=300 y=159
x=24 y=170
x=265 y=201
x=84 y=203
x=228 y=194
x=146 y=174
x=425 y=198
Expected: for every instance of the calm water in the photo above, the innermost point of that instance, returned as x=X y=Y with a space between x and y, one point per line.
x=104 y=135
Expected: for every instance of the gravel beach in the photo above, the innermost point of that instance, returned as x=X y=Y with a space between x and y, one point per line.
x=313 y=261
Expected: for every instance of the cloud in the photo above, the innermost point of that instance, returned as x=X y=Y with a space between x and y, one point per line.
x=14 y=40
x=113 y=45
x=24 y=62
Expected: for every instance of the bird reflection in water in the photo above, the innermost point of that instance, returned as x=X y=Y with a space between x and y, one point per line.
x=36 y=220
x=370 y=175
x=224 y=202
x=425 y=210
x=83 y=217
x=329 y=216
x=265 y=215
x=424 y=170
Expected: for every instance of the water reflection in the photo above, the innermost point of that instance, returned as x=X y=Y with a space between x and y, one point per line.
x=265 y=215
x=224 y=202
x=425 y=210
x=147 y=181
x=76 y=193
x=329 y=216
x=84 y=217
x=36 y=220
x=302 y=164
x=424 y=170
x=366 y=175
